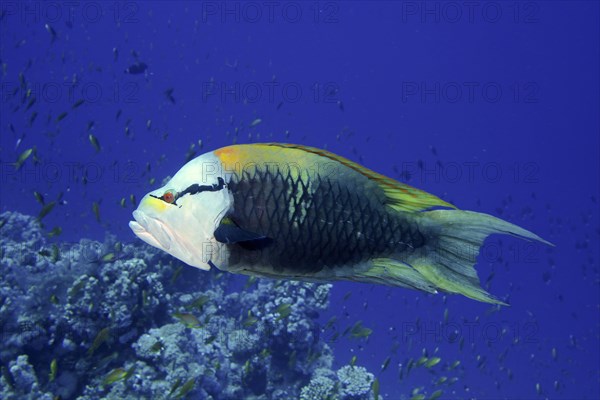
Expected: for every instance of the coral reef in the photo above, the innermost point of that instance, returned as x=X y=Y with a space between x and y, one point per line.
x=349 y=383
x=93 y=320
x=355 y=382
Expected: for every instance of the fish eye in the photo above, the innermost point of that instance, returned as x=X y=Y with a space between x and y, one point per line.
x=169 y=196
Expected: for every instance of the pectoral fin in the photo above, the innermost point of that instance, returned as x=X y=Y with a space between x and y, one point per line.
x=231 y=234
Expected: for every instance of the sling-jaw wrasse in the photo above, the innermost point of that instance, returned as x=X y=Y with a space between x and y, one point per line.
x=296 y=212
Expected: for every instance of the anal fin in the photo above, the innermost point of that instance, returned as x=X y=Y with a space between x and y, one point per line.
x=388 y=271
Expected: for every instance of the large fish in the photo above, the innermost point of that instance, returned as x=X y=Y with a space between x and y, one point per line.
x=296 y=212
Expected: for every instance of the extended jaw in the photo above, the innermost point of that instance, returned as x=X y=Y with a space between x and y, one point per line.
x=150 y=230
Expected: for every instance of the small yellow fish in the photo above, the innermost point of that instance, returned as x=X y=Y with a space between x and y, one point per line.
x=156 y=347
x=53 y=370
x=358 y=331
x=375 y=389
x=257 y=121
x=189 y=320
x=100 y=338
x=421 y=361
x=330 y=322
x=22 y=158
x=39 y=197
x=175 y=386
x=32 y=118
x=538 y=388
x=386 y=363
x=251 y=281
x=199 y=302
x=95 y=142
x=55 y=253
x=186 y=388
x=284 y=310
x=61 y=116
x=51 y=31
x=176 y=274
x=96 y=210
x=433 y=361
x=116 y=375
x=250 y=320
x=55 y=232
x=108 y=258
x=77 y=104
x=46 y=210
x=436 y=395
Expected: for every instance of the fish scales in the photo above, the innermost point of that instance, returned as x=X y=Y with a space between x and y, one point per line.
x=290 y=211
x=316 y=222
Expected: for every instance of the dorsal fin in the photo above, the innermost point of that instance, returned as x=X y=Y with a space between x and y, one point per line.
x=400 y=196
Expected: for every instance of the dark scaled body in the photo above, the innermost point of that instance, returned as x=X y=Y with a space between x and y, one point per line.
x=288 y=211
x=316 y=221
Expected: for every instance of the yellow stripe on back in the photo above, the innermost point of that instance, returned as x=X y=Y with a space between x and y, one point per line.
x=261 y=153
x=400 y=196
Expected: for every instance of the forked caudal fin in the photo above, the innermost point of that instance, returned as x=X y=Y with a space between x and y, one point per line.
x=446 y=262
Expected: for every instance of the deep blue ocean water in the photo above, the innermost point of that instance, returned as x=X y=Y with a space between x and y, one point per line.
x=493 y=106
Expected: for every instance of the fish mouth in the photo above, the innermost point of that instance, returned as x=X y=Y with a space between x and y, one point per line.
x=156 y=233
x=151 y=230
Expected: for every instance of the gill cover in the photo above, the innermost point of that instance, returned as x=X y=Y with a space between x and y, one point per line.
x=182 y=216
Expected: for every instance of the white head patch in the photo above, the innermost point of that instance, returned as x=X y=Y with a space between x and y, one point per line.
x=181 y=217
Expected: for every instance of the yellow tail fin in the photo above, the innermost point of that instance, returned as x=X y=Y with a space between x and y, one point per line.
x=447 y=261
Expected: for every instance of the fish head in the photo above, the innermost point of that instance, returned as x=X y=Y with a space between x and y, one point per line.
x=180 y=218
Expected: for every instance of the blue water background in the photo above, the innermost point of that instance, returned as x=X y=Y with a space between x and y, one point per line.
x=494 y=107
